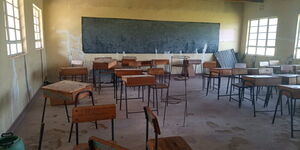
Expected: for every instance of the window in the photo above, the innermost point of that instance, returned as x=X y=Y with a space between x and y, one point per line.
x=37 y=14
x=262 y=36
x=13 y=27
x=297 y=43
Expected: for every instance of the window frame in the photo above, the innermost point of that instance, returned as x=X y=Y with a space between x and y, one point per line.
x=39 y=25
x=267 y=32
x=10 y=42
x=297 y=40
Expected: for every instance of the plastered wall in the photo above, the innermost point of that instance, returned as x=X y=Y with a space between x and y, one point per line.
x=63 y=23
x=287 y=12
x=20 y=76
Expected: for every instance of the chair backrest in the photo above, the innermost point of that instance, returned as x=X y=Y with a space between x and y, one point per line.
x=274 y=62
x=93 y=113
x=77 y=63
x=152 y=119
x=100 y=144
x=264 y=64
x=240 y=65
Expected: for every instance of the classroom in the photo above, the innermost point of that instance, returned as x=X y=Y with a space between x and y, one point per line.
x=154 y=75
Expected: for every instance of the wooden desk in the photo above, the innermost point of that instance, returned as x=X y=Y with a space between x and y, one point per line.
x=258 y=81
x=293 y=94
x=219 y=73
x=118 y=75
x=156 y=62
x=102 y=65
x=263 y=80
x=137 y=80
x=73 y=72
x=65 y=92
x=191 y=63
x=288 y=78
x=146 y=63
x=260 y=71
x=239 y=71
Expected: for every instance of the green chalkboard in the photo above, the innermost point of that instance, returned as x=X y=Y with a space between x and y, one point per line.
x=111 y=35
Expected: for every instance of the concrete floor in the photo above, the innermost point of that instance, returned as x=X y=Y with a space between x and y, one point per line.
x=211 y=124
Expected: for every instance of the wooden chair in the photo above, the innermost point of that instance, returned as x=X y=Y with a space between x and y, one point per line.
x=162 y=82
x=128 y=59
x=91 y=114
x=98 y=144
x=207 y=66
x=166 y=143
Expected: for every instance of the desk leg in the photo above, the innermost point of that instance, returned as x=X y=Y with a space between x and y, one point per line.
x=253 y=101
x=292 y=117
x=67 y=112
x=219 y=86
x=42 y=125
x=148 y=96
x=126 y=101
x=279 y=99
x=44 y=110
x=121 y=95
x=94 y=79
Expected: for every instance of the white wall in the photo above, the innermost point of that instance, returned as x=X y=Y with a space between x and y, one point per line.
x=287 y=12
x=14 y=92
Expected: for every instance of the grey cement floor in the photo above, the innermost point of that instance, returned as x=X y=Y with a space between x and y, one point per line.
x=211 y=124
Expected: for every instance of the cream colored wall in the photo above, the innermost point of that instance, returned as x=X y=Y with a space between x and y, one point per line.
x=14 y=94
x=63 y=23
x=287 y=13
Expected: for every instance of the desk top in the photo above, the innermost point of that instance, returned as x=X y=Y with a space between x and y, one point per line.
x=138 y=80
x=296 y=87
x=263 y=80
x=104 y=63
x=260 y=76
x=287 y=75
x=66 y=86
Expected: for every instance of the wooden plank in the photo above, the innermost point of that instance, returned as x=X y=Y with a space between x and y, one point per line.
x=263 y=80
x=222 y=71
x=106 y=145
x=156 y=71
x=93 y=113
x=68 y=87
x=210 y=64
x=160 y=62
x=121 y=72
x=73 y=71
x=239 y=71
x=292 y=89
x=138 y=80
x=104 y=64
x=169 y=143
